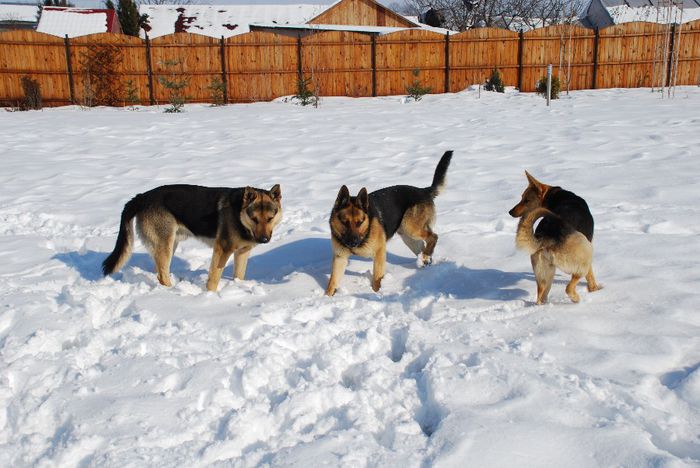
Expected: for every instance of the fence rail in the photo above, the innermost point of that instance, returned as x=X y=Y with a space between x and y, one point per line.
x=260 y=66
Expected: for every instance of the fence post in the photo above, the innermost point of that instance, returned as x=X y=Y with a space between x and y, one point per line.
x=670 y=55
x=223 y=69
x=149 y=67
x=71 y=85
x=549 y=83
x=520 y=60
x=595 y=58
x=300 y=74
x=447 y=62
x=374 y=65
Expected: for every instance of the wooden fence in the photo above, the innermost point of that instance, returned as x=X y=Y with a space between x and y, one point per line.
x=260 y=66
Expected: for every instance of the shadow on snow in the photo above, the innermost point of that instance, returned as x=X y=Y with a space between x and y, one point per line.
x=312 y=256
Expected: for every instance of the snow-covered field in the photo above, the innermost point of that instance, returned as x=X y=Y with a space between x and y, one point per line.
x=450 y=365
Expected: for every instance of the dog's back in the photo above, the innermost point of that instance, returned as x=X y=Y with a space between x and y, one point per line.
x=571 y=208
x=390 y=204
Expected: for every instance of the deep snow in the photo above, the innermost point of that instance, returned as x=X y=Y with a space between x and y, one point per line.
x=450 y=365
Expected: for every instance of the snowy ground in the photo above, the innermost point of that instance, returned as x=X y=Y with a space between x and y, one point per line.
x=451 y=365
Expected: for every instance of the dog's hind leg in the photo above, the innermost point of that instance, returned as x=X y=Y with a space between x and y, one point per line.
x=571 y=288
x=416 y=245
x=218 y=262
x=592 y=284
x=158 y=232
x=240 y=262
x=544 y=270
x=163 y=255
x=417 y=226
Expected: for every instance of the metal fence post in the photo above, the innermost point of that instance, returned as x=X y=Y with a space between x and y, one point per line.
x=224 y=78
x=374 y=65
x=595 y=58
x=149 y=68
x=300 y=73
x=549 y=83
x=670 y=55
x=520 y=60
x=71 y=84
x=447 y=62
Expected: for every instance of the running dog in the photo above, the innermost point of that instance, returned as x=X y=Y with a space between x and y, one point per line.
x=231 y=220
x=563 y=239
x=363 y=224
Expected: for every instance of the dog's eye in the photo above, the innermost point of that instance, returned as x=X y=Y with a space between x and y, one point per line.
x=270 y=219
x=359 y=223
x=255 y=220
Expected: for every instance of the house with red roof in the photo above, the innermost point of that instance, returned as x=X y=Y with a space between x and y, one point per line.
x=74 y=22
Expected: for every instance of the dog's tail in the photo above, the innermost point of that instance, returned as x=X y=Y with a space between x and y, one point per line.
x=125 y=238
x=525 y=237
x=440 y=172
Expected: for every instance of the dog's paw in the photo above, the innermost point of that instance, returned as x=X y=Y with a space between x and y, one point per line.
x=595 y=287
x=423 y=261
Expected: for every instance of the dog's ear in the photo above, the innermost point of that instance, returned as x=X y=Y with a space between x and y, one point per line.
x=363 y=199
x=343 y=197
x=276 y=192
x=249 y=195
x=541 y=188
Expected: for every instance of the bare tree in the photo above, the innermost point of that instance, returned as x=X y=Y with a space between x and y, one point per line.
x=461 y=15
x=168 y=2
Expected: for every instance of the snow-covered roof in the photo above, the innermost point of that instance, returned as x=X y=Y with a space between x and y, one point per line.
x=673 y=14
x=223 y=20
x=21 y=13
x=345 y=27
x=74 y=22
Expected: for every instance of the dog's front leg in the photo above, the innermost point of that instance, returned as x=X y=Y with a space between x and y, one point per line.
x=218 y=262
x=340 y=262
x=379 y=267
x=240 y=262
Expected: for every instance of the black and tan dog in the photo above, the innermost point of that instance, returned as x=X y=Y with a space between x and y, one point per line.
x=563 y=239
x=362 y=225
x=231 y=220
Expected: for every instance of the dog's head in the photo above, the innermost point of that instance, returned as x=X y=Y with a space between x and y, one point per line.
x=350 y=217
x=532 y=197
x=261 y=211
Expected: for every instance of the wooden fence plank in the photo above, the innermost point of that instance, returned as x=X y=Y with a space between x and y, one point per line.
x=131 y=65
x=568 y=48
x=339 y=63
x=41 y=57
x=262 y=66
x=475 y=53
x=689 y=54
x=626 y=55
x=401 y=53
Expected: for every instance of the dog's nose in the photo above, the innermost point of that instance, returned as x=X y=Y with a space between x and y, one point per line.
x=264 y=239
x=512 y=213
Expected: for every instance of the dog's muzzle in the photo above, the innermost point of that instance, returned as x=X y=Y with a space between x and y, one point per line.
x=352 y=242
x=263 y=240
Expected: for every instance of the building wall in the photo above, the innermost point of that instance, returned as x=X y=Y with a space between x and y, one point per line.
x=361 y=13
x=597 y=16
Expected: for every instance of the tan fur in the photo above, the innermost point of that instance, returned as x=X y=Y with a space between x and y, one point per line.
x=573 y=256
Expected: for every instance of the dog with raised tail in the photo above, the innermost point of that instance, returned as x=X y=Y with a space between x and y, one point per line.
x=363 y=224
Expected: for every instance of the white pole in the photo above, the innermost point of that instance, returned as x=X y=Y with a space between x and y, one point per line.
x=549 y=83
